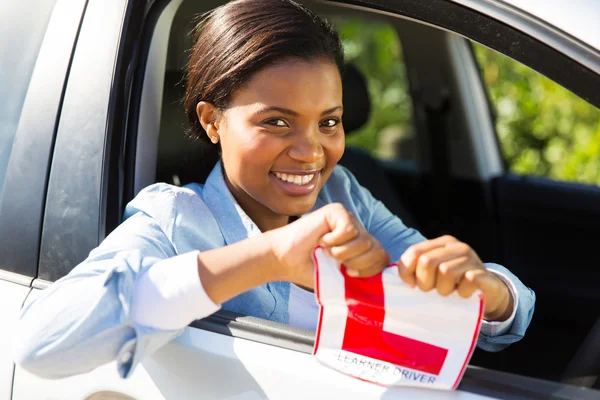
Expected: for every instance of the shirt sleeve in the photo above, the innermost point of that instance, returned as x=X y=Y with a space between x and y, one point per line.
x=85 y=319
x=396 y=238
x=170 y=295
x=496 y=328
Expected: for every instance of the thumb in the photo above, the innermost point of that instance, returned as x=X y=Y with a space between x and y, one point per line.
x=343 y=227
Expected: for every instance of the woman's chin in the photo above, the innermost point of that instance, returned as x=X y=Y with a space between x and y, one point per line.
x=296 y=207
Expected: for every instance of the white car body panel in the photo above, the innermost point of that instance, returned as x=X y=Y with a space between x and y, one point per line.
x=192 y=366
x=578 y=18
x=12 y=296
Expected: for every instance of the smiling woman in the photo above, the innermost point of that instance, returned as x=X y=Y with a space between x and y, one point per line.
x=280 y=139
x=265 y=88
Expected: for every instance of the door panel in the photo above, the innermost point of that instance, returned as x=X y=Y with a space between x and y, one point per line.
x=12 y=296
x=201 y=364
x=549 y=238
x=563 y=220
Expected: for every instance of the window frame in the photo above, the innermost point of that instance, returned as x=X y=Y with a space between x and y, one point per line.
x=434 y=13
x=526 y=40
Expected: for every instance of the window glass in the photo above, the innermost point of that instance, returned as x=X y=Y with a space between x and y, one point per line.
x=373 y=46
x=543 y=129
x=22 y=27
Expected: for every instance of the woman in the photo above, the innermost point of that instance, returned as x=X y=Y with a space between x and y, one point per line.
x=264 y=86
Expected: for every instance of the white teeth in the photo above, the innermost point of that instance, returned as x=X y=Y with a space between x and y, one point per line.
x=295 y=179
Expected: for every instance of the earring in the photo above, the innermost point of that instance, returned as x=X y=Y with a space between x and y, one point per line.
x=214 y=139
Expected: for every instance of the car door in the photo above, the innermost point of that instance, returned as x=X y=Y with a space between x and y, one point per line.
x=106 y=117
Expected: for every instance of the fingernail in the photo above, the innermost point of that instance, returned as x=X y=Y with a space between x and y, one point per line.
x=352 y=273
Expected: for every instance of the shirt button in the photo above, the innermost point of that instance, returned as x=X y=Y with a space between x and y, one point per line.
x=126 y=357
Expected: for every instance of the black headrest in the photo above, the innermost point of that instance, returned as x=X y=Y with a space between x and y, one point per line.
x=357 y=104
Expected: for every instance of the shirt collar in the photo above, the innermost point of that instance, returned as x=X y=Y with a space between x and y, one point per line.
x=224 y=207
x=235 y=224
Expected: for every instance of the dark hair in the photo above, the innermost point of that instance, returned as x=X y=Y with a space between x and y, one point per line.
x=237 y=39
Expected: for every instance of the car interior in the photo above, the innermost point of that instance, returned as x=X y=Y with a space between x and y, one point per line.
x=455 y=181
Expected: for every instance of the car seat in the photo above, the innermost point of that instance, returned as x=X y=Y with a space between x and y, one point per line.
x=181 y=161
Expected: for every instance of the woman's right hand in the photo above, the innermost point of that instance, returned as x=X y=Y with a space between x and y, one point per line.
x=336 y=230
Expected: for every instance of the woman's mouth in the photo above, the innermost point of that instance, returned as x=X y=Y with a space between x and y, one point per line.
x=298 y=184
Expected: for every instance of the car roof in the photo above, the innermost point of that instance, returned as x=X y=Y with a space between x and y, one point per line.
x=578 y=18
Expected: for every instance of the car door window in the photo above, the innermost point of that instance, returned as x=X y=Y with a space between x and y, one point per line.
x=374 y=48
x=22 y=27
x=543 y=129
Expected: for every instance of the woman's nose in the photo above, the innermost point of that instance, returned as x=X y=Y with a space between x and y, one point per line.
x=307 y=148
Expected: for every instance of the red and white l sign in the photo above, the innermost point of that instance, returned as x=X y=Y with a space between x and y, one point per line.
x=378 y=329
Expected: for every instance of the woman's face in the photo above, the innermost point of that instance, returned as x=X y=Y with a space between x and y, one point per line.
x=280 y=137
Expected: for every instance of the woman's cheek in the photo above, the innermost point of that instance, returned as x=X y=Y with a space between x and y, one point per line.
x=335 y=148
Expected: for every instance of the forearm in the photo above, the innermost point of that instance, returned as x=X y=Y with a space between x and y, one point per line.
x=232 y=270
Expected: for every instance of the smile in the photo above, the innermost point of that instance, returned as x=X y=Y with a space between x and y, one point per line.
x=301 y=183
x=294 y=179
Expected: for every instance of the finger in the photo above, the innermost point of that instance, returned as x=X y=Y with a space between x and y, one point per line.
x=466 y=288
x=406 y=274
x=353 y=248
x=345 y=228
x=493 y=289
x=411 y=256
x=365 y=273
x=374 y=260
x=450 y=274
x=429 y=266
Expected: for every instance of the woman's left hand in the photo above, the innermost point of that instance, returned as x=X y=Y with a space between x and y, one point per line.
x=446 y=264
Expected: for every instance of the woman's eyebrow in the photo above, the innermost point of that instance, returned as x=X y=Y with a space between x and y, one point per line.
x=329 y=111
x=287 y=111
x=282 y=110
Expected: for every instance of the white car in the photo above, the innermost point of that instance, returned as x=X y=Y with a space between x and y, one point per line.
x=89 y=116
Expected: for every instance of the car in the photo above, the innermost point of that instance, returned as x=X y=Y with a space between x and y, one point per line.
x=90 y=116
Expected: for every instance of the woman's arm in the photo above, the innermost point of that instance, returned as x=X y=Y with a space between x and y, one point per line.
x=110 y=308
x=92 y=316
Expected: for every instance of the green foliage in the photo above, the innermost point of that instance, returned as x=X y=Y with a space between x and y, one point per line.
x=374 y=47
x=544 y=129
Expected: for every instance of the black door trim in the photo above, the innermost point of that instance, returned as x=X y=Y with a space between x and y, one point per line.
x=74 y=217
x=535 y=52
x=24 y=193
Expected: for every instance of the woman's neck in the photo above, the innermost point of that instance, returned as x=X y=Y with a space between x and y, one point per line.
x=264 y=218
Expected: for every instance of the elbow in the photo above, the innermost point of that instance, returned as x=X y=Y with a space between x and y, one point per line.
x=28 y=356
x=37 y=362
x=32 y=351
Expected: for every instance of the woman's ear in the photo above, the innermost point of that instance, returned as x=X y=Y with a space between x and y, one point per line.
x=207 y=115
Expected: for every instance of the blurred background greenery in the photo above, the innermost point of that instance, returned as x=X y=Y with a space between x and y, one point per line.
x=543 y=129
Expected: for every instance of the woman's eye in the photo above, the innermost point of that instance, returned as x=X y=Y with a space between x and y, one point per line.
x=330 y=122
x=277 y=122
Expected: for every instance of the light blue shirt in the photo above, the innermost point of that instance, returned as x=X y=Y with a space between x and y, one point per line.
x=84 y=320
